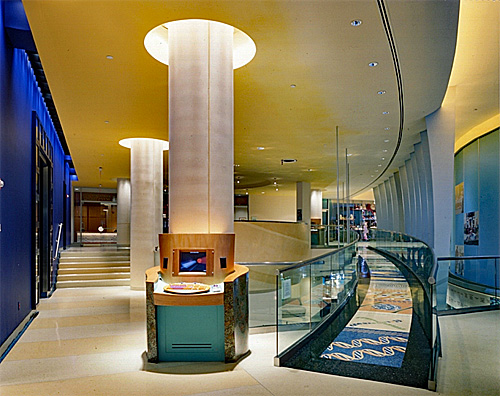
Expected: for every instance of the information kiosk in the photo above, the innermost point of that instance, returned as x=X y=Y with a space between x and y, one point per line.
x=197 y=300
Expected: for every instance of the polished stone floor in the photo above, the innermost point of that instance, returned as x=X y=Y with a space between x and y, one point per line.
x=91 y=342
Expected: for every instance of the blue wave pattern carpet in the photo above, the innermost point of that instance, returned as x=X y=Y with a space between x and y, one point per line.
x=378 y=332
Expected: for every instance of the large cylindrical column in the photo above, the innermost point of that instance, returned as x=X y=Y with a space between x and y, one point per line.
x=200 y=127
x=146 y=179
x=123 y=212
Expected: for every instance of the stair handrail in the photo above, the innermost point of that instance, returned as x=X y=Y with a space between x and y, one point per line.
x=58 y=240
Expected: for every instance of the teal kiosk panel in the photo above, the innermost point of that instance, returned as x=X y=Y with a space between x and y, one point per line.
x=190 y=333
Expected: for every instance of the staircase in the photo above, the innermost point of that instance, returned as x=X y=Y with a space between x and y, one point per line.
x=90 y=267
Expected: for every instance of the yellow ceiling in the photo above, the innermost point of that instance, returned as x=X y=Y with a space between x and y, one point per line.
x=476 y=70
x=310 y=44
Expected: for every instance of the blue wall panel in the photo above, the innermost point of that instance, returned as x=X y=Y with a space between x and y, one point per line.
x=459 y=218
x=478 y=167
x=19 y=97
x=489 y=194
x=471 y=189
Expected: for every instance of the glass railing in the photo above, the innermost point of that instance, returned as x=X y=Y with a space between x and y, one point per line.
x=472 y=283
x=418 y=259
x=330 y=236
x=310 y=291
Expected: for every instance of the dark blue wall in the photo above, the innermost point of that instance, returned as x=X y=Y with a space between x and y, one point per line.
x=19 y=97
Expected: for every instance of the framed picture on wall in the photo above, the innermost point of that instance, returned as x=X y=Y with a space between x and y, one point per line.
x=471 y=228
x=459 y=198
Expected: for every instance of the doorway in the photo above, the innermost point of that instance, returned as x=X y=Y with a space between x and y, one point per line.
x=43 y=265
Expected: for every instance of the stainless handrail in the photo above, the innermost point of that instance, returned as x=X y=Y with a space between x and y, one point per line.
x=58 y=241
x=456 y=258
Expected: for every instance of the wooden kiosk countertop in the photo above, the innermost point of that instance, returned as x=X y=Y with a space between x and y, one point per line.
x=171 y=299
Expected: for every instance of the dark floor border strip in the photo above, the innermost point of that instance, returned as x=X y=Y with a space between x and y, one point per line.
x=17 y=333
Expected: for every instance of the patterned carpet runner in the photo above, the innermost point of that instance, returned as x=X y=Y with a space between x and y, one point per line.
x=378 y=332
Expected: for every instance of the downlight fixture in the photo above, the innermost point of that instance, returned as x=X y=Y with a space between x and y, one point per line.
x=288 y=161
x=356 y=22
x=373 y=64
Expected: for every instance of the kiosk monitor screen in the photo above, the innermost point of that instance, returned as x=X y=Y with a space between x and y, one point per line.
x=193 y=261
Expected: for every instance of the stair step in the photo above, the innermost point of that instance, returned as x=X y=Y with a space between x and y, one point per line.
x=94 y=258
x=91 y=270
x=78 y=277
x=95 y=264
x=93 y=283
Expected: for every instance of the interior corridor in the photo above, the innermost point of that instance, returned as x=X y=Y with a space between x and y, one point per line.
x=92 y=341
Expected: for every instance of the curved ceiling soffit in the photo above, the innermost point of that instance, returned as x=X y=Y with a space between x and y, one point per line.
x=399 y=80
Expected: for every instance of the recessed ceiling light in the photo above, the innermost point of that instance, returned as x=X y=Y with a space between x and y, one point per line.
x=381 y=92
x=385 y=112
x=385 y=151
x=349 y=154
x=260 y=148
x=387 y=128
x=379 y=164
x=236 y=165
x=356 y=22
x=371 y=176
x=263 y=192
x=309 y=170
x=383 y=159
x=386 y=141
x=276 y=189
x=292 y=86
x=373 y=64
x=109 y=57
x=106 y=122
x=376 y=170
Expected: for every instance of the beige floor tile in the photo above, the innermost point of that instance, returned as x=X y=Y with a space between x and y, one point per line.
x=69 y=321
x=139 y=383
x=74 y=347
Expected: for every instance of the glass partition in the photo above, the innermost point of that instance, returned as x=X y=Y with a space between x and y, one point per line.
x=328 y=236
x=472 y=282
x=309 y=291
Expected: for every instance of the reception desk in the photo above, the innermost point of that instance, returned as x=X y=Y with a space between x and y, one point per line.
x=210 y=326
